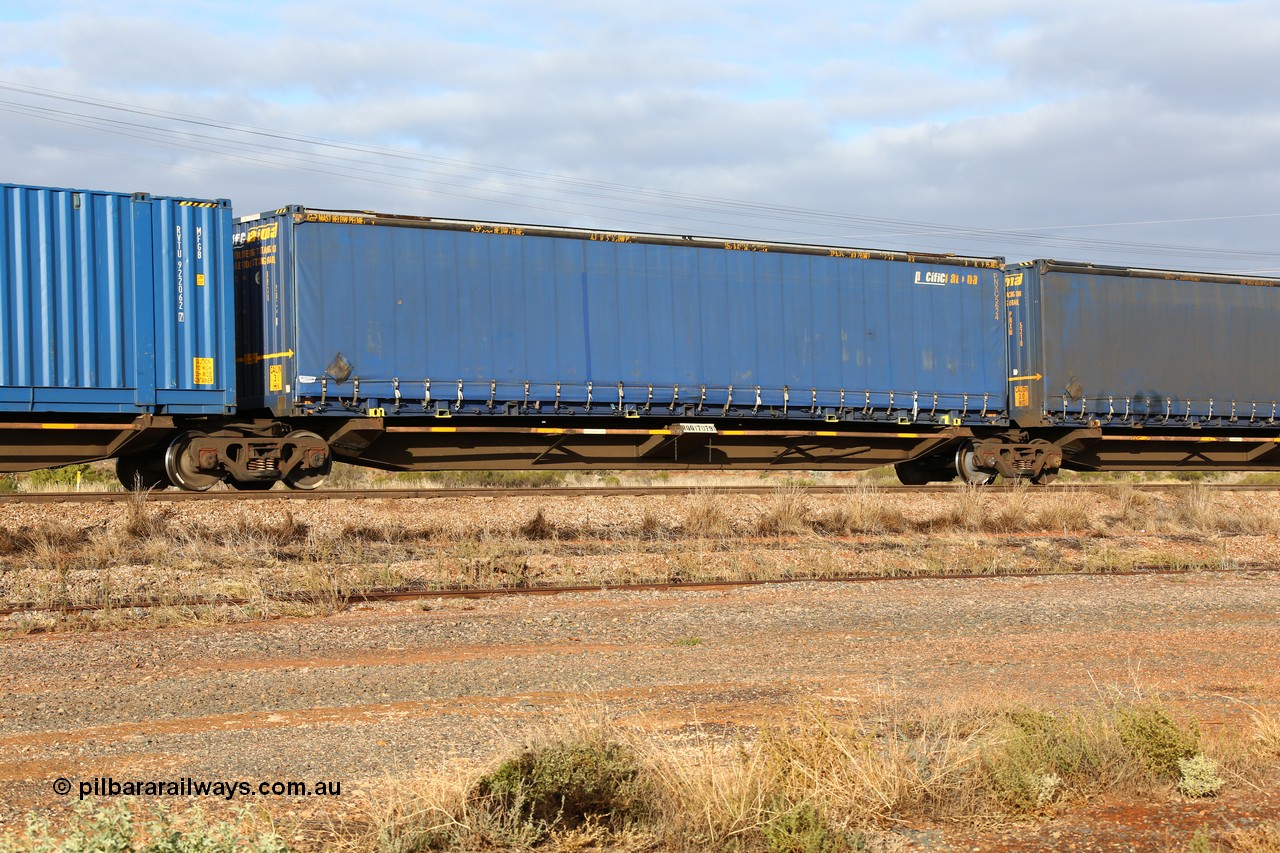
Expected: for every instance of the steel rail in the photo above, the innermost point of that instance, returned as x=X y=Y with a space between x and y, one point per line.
x=417 y=594
x=579 y=491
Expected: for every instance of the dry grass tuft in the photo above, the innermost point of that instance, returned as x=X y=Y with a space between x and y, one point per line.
x=651 y=527
x=788 y=514
x=1196 y=507
x=1064 y=510
x=387 y=534
x=1134 y=506
x=42 y=537
x=144 y=520
x=1264 y=838
x=1266 y=728
x=538 y=527
x=863 y=509
x=706 y=516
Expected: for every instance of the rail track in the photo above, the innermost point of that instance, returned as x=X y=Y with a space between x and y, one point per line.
x=561 y=491
x=343 y=599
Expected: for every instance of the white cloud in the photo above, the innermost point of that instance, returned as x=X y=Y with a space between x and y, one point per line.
x=989 y=114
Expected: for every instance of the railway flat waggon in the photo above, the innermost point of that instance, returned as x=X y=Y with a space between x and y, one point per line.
x=416 y=343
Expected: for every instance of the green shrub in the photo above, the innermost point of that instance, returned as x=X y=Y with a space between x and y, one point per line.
x=1155 y=738
x=1040 y=758
x=1199 y=776
x=564 y=785
x=800 y=828
x=111 y=829
x=66 y=478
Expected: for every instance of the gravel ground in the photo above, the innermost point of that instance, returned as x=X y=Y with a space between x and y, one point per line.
x=388 y=691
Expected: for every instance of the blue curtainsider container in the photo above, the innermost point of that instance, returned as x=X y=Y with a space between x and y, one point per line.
x=115 y=302
x=1102 y=345
x=352 y=313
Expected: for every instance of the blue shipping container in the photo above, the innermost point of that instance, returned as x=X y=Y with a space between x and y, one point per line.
x=343 y=312
x=1119 y=346
x=114 y=302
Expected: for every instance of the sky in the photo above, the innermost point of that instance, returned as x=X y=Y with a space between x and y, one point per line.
x=1144 y=133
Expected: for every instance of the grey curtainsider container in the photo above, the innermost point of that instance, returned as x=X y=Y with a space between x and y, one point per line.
x=115 y=303
x=1115 y=346
x=343 y=313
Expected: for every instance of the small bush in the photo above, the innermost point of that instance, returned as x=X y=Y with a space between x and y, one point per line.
x=800 y=828
x=568 y=784
x=1155 y=738
x=111 y=829
x=1042 y=757
x=1199 y=776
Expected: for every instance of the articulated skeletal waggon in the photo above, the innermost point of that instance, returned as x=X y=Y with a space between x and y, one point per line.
x=194 y=348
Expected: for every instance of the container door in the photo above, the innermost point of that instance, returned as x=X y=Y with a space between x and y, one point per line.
x=192 y=301
x=1022 y=317
x=265 y=325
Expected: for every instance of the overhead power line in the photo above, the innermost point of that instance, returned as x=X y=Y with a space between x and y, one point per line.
x=302 y=154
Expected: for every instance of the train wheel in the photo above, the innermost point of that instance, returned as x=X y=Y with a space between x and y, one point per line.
x=967 y=467
x=142 y=472
x=311 y=477
x=181 y=469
